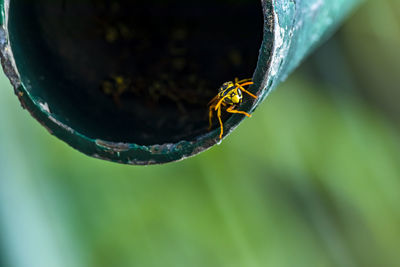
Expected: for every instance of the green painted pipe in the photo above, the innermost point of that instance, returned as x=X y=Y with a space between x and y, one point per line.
x=129 y=82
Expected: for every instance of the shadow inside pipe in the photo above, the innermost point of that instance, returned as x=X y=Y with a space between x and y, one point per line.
x=133 y=71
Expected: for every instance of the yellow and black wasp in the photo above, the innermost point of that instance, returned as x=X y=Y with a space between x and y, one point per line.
x=229 y=96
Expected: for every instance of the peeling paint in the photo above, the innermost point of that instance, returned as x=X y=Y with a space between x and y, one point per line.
x=279 y=48
x=45 y=107
x=62 y=125
x=115 y=147
x=316 y=6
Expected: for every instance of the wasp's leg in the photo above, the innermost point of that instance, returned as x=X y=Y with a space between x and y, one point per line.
x=244 y=84
x=213 y=100
x=231 y=110
x=210 y=115
x=220 y=122
x=220 y=102
x=242 y=81
x=244 y=90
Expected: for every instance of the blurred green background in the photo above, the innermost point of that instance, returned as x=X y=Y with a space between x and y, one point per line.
x=312 y=179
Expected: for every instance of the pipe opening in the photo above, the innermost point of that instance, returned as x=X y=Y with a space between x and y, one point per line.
x=133 y=71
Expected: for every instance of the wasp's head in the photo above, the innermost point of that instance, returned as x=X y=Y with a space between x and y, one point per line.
x=235 y=96
x=231 y=93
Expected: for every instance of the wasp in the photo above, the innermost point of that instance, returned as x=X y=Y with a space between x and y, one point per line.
x=229 y=97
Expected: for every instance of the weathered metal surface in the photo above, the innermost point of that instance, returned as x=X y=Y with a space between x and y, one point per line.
x=291 y=30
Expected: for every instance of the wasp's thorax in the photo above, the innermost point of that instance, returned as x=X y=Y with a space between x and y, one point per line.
x=230 y=93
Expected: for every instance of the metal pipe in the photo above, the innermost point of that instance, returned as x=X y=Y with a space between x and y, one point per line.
x=46 y=69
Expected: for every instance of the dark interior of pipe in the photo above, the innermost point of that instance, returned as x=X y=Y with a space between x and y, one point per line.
x=133 y=71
